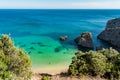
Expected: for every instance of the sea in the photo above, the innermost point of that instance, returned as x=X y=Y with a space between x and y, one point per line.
x=37 y=31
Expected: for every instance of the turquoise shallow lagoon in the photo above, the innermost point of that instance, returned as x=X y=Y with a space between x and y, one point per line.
x=38 y=32
x=43 y=53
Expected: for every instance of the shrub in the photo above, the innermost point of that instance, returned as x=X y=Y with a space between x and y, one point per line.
x=45 y=78
x=14 y=62
x=104 y=63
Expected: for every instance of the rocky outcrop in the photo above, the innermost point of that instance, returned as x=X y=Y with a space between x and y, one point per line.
x=63 y=38
x=111 y=34
x=85 y=40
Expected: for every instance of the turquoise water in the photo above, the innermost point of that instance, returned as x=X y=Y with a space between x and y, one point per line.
x=38 y=32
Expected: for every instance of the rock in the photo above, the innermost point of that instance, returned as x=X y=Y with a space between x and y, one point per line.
x=112 y=33
x=31 y=48
x=113 y=23
x=57 y=50
x=63 y=38
x=29 y=52
x=39 y=52
x=85 y=40
x=99 y=47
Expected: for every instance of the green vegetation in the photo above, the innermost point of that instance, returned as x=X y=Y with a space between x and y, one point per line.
x=45 y=78
x=14 y=63
x=103 y=63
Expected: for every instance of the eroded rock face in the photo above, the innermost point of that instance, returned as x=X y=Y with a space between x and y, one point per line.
x=85 y=40
x=112 y=33
x=113 y=23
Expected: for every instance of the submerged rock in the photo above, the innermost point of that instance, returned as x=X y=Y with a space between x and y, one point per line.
x=29 y=52
x=33 y=43
x=40 y=52
x=42 y=45
x=85 y=40
x=39 y=43
x=111 y=34
x=63 y=38
x=58 y=49
x=31 y=48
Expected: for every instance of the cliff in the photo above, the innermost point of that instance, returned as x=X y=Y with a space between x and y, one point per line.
x=111 y=34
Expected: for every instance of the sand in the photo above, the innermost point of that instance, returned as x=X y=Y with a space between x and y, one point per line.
x=51 y=71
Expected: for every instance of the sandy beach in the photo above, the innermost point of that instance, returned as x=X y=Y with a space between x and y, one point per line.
x=55 y=74
x=38 y=76
x=51 y=71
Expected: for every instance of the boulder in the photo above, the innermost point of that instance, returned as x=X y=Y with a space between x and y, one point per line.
x=85 y=40
x=111 y=34
x=63 y=38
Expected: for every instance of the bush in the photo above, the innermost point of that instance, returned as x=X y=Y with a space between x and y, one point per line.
x=14 y=62
x=103 y=63
x=45 y=78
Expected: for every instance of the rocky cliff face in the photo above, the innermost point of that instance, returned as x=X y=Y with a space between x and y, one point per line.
x=112 y=33
x=85 y=40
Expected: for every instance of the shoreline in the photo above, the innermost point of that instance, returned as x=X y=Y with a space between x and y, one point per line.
x=51 y=70
x=64 y=76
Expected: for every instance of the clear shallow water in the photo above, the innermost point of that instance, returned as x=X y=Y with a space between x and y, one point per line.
x=38 y=32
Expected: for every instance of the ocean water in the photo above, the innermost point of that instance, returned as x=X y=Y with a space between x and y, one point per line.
x=38 y=32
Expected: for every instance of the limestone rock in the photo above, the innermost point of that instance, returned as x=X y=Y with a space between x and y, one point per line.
x=112 y=33
x=63 y=38
x=85 y=40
